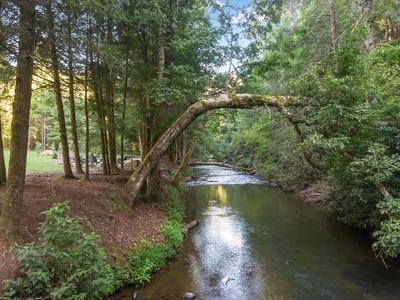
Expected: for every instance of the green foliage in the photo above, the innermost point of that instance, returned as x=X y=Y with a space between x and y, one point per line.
x=263 y=140
x=148 y=258
x=65 y=263
x=356 y=129
x=173 y=233
x=387 y=237
x=174 y=207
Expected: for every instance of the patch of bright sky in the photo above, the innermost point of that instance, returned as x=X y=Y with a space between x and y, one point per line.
x=237 y=13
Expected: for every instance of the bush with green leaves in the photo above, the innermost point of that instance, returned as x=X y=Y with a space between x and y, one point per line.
x=65 y=262
x=387 y=237
x=148 y=258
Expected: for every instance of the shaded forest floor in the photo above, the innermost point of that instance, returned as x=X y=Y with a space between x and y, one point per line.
x=96 y=201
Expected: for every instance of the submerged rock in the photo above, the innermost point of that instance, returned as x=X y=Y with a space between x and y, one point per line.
x=226 y=280
x=189 y=296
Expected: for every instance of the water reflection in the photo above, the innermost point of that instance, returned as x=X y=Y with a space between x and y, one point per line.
x=209 y=175
x=225 y=267
x=257 y=242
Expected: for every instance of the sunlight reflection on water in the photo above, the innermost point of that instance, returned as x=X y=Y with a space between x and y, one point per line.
x=206 y=175
x=226 y=266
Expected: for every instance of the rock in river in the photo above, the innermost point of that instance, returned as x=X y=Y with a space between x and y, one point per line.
x=189 y=296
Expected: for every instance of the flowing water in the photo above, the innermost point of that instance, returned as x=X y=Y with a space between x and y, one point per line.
x=255 y=241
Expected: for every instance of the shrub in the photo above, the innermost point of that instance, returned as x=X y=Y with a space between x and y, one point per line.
x=65 y=263
x=148 y=258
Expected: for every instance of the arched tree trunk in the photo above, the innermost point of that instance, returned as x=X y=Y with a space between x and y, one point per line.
x=136 y=181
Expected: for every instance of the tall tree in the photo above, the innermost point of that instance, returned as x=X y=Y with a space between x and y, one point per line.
x=71 y=91
x=57 y=90
x=12 y=202
x=3 y=175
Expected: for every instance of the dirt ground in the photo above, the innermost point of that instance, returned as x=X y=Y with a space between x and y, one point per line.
x=94 y=201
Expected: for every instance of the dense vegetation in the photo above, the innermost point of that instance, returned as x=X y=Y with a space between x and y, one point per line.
x=66 y=262
x=342 y=60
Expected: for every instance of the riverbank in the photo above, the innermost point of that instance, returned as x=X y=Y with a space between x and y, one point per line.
x=314 y=193
x=98 y=203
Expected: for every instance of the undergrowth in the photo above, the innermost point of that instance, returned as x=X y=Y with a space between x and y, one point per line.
x=148 y=258
x=65 y=262
x=68 y=263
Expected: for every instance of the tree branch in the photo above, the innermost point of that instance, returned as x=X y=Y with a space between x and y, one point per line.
x=242 y=101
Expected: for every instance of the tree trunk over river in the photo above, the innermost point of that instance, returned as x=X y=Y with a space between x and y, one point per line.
x=241 y=101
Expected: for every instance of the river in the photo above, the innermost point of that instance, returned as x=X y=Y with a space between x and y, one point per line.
x=255 y=241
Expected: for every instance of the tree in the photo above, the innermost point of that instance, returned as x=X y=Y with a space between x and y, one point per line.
x=58 y=93
x=136 y=181
x=3 y=175
x=71 y=91
x=12 y=202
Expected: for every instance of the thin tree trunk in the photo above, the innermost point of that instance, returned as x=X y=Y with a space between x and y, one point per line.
x=124 y=107
x=44 y=133
x=3 y=175
x=111 y=128
x=102 y=128
x=365 y=8
x=57 y=90
x=74 y=131
x=242 y=101
x=87 y=135
x=12 y=202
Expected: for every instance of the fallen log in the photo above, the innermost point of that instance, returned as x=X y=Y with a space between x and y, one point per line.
x=189 y=226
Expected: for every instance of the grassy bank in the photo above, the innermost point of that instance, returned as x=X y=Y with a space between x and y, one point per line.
x=37 y=163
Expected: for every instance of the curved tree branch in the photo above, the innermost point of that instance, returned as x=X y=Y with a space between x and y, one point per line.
x=242 y=101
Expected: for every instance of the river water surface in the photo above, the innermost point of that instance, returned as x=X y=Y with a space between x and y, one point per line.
x=255 y=241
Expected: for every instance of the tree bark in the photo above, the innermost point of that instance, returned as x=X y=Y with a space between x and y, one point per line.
x=12 y=202
x=3 y=174
x=74 y=131
x=242 y=101
x=365 y=8
x=87 y=135
x=125 y=92
x=57 y=90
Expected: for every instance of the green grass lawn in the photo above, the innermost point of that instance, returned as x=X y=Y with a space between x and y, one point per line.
x=37 y=163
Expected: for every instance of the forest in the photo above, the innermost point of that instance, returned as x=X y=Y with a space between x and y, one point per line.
x=319 y=82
